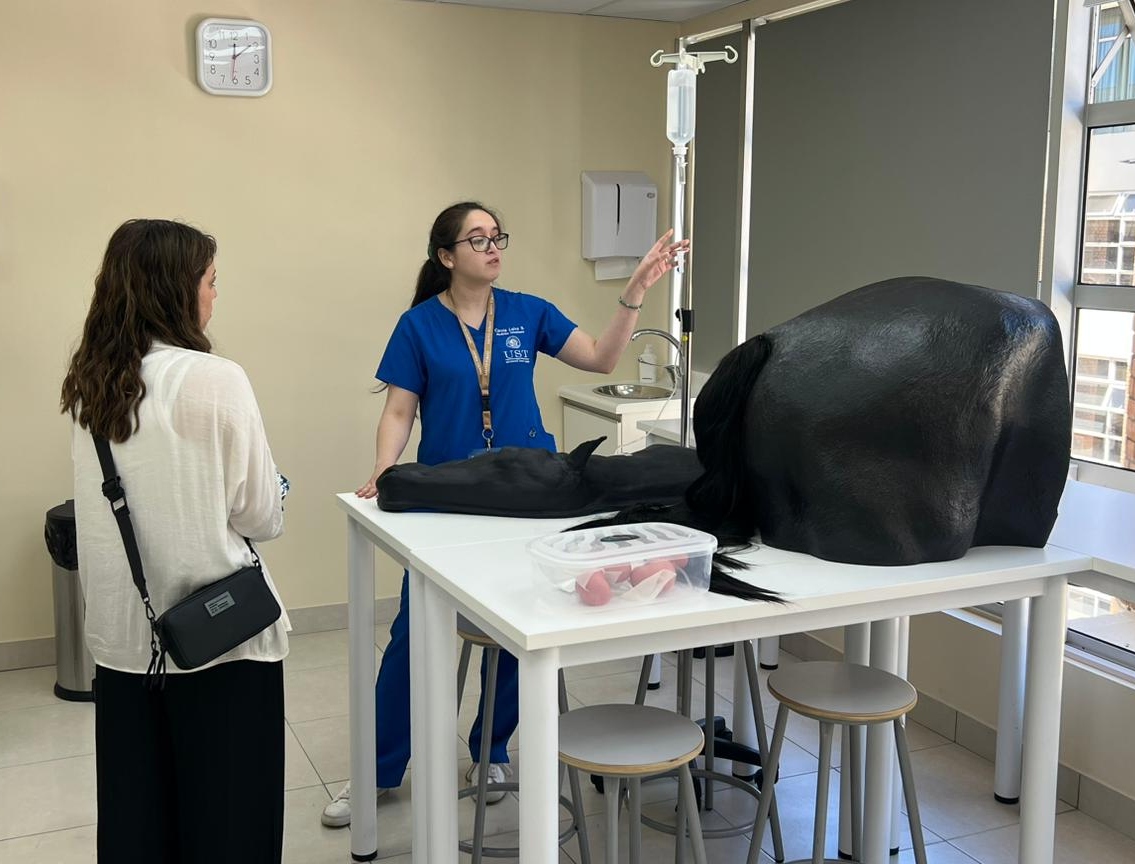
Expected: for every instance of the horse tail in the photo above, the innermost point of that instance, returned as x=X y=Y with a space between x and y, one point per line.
x=721 y=495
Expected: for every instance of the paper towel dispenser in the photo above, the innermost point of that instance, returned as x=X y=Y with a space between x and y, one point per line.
x=620 y=218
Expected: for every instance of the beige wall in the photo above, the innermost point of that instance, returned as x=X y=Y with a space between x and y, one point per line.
x=320 y=195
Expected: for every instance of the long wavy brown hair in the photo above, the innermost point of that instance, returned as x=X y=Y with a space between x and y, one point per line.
x=146 y=291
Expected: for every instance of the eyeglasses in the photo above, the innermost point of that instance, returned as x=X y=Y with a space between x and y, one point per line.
x=480 y=243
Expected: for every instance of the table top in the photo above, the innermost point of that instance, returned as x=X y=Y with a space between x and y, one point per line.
x=401 y=533
x=497 y=583
x=1100 y=522
x=483 y=562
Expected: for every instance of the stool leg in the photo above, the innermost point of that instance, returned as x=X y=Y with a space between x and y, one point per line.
x=580 y=819
x=823 y=776
x=643 y=680
x=762 y=747
x=769 y=771
x=710 y=656
x=680 y=823
x=916 y=838
x=463 y=669
x=692 y=819
x=611 y=795
x=685 y=677
x=856 y=750
x=488 y=699
x=576 y=796
x=635 y=826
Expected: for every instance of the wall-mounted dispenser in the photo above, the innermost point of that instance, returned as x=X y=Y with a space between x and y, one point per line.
x=620 y=220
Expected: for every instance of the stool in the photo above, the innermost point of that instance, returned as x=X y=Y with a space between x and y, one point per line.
x=728 y=749
x=850 y=695
x=632 y=742
x=472 y=635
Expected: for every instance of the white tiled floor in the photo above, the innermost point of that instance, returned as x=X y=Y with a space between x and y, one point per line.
x=47 y=777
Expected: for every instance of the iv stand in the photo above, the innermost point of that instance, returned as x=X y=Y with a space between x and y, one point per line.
x=680 y=286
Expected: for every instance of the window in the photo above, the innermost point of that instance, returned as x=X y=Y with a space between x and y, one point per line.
x=1103 y=299
x=1103 y=304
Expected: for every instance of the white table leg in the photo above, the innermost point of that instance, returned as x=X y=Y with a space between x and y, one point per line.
x=744 y=723
x=419 y=751
x=438 y=618
x=901 y=667
x=1011 y=702
x=768 y=652
x=856 y=649
x=1044 y=678
x=539 y=756
x=360 y=631
x=880 y=755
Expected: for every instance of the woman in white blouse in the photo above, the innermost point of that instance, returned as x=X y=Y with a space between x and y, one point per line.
x=193 y=770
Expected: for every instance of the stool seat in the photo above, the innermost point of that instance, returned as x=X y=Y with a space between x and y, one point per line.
x=629 y=742
x=470 y=632
x=842 y=692
x=849 y=695
x=626 y=740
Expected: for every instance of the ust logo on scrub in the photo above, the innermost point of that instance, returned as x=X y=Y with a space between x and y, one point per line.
x=513 y=352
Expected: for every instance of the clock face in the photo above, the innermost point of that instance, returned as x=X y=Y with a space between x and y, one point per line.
x=234 y=58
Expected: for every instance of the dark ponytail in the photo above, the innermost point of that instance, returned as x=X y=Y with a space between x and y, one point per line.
x=434 y=277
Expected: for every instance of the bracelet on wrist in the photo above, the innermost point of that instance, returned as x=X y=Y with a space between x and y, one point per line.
x=627 y=305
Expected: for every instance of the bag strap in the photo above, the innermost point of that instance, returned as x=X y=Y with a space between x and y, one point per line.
x=114 y=493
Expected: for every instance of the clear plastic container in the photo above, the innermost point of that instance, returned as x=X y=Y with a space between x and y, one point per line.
x=643 y=563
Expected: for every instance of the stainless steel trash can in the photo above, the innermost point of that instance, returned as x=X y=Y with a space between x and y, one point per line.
x=74 y=667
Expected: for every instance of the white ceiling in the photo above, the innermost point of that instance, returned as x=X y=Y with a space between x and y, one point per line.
x=649 y=10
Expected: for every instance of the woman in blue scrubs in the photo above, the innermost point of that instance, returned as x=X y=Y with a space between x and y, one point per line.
x=464 y=356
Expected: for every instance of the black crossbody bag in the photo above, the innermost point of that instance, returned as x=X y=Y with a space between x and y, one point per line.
x=209 y=622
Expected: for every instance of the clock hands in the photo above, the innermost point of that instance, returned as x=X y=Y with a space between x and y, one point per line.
x=235 y=55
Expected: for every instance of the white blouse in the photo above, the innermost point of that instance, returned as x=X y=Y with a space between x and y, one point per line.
x=199 y=478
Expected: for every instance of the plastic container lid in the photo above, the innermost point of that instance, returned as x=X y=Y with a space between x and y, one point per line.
x=619 y=544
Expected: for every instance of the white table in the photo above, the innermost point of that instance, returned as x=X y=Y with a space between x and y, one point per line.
x=479 y=566
x=1096 y=522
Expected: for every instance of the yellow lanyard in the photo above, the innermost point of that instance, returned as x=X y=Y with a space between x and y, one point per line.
x=482 y=365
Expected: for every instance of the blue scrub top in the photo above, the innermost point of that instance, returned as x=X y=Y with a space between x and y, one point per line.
x=427 y=355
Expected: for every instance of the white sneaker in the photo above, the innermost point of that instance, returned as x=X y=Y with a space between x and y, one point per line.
x=498 y=773
x=337 y=814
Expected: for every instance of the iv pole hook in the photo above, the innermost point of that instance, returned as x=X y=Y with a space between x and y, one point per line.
x=694 y=60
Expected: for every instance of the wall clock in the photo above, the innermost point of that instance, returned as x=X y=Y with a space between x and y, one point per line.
x=234 y=57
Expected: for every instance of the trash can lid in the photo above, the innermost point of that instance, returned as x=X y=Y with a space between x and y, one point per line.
x=59 y=534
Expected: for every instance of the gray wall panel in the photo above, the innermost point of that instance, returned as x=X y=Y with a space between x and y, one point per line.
x=898 y=137
x=717 y=199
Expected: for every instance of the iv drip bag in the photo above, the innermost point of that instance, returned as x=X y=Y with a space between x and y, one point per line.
x=681 y=97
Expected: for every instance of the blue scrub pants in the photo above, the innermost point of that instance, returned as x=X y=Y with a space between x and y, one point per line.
x=392 y=702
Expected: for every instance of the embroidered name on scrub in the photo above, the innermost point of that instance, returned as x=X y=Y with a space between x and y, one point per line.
x=514 y=350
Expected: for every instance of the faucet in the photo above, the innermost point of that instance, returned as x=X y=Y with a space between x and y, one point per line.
x=674 y=370
x=676 y=376
x=652 y=331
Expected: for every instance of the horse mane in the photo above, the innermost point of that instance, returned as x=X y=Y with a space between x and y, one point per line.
x=720 y=497
x=718 y=502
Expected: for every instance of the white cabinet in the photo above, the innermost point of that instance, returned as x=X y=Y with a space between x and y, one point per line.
x=581 y=425
x=588 y=416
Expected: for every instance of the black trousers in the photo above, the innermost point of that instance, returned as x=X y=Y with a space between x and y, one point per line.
x=192 y=773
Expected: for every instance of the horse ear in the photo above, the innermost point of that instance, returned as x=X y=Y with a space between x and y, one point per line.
x=720 y=496
x=578 y=457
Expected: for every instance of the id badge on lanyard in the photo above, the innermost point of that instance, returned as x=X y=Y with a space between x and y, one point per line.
x=483 y=365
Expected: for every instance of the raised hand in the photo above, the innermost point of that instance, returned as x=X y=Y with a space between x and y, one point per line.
x=663 y=257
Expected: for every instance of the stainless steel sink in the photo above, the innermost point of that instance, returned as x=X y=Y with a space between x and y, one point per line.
x=633 y=391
